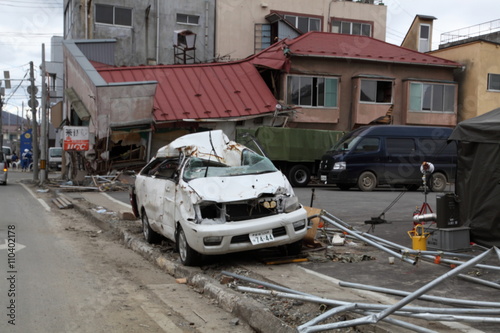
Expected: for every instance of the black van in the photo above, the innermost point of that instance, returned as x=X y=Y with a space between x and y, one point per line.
x=390 y=154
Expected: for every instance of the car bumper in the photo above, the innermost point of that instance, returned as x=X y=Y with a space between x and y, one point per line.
x=336 y=177
x=236 y=235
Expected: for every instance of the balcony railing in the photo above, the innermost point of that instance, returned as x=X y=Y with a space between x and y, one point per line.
x=470 y=32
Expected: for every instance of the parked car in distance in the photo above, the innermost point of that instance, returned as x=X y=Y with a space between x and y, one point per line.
x=7 y=153
x=214 y=196
x=390 y=154
x=55 y=158
x=4 y=171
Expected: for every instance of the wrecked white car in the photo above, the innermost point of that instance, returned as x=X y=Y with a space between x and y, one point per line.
x=214 y=196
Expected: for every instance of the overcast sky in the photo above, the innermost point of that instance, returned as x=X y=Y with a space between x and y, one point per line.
x=26 y=24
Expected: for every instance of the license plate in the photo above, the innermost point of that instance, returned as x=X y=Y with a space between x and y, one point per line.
x=261 y=237
x=323 y=178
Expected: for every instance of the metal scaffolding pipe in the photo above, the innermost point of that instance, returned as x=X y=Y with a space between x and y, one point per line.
x=403 y=324
x=407 y=250
x=368 y=306
x=383 y=314
x=340 y=307
x=333 y=220
x=481 y=281
x=463 y=302
x=448 y=317
x=457 y=262
x=366 y=235
x=265 y=284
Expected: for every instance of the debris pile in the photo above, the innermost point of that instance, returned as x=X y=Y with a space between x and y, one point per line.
x=118 y=181
x=341 y=314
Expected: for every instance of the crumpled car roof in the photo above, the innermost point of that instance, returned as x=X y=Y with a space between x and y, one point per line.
x=214 y=145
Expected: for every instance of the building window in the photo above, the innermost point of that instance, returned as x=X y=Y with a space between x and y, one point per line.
x=373 y=91
x=352 y=28
x=113 y=15
x=432 y=97
x=188 y=19
x=303 y=23
x=494 y=82
x=312 y=91
x=424 y=38
x=262 y=37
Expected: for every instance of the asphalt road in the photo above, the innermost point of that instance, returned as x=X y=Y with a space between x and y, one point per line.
x=60 y=272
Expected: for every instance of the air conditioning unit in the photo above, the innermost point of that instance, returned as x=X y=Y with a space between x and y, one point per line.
x=185 y=39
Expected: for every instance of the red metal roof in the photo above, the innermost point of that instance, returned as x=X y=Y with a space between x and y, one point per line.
x=201 y=91
x=333 y=45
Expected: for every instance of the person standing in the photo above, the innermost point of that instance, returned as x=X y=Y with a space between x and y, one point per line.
x=25 y=160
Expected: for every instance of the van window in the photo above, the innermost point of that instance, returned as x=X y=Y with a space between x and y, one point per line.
x=437 y=147
x=400 y=145
x=367 y=145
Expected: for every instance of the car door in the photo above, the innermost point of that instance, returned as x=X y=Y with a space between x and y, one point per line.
x=403 y=161
x=168 y=175
x=366 y=155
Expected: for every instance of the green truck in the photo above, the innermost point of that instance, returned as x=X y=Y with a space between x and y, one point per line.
x=295 y=151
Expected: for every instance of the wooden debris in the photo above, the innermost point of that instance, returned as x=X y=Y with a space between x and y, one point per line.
x=62 y=202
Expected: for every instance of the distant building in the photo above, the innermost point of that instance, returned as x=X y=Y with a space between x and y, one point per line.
x=419 y=35
x=478 y=49
x=339 y=82
x=192 y=31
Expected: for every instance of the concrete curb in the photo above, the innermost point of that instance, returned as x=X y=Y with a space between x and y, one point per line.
x=242 y=307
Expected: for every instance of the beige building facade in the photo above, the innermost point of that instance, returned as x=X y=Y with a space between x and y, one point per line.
x=245 y=27
x=479 y=79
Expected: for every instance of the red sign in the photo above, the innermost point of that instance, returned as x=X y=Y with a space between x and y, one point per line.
x=76 y=138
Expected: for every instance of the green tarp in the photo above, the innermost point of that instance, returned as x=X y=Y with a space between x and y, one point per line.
x=290 y=144
x=478 y=176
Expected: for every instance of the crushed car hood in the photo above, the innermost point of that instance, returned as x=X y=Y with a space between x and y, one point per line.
x=229 y=189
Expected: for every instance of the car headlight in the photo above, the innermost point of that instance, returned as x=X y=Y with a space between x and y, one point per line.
x=339 y=166
x=290 y=204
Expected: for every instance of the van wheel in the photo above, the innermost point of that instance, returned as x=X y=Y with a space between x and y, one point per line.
x=367 y=181
x=437 y=182
x=149 y=234
x=299 y=176
x=188 y=256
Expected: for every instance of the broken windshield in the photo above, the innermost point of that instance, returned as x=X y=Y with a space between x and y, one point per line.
x=251 y=164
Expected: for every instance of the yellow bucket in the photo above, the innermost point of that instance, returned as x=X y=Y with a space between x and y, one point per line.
x=419 y=238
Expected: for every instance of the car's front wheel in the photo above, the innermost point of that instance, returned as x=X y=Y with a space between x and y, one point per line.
x=188 y=256
x=367 y=181
x=149 y=234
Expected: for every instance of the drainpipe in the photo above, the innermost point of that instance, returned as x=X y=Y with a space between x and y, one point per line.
x=205 y=52
x=86 y=19
x=157 y=32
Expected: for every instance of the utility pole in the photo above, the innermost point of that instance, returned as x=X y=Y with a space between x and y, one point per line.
x=33 y=105
x=43 y=140
x=1 y=113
